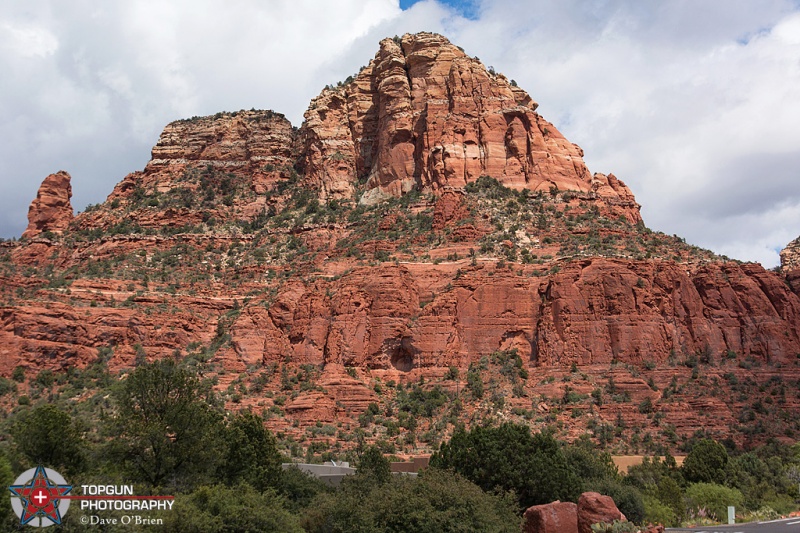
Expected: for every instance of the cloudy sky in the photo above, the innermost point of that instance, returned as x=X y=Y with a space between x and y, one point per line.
x=695 y=104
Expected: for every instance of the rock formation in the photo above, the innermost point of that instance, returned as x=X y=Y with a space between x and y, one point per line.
x=790 y=264
x=790 y=256
x=566 y=517
x=592 y=311
x=51 y=210
x=217 y=167
x=424 y=115
x=255 y=143
x=242 y=246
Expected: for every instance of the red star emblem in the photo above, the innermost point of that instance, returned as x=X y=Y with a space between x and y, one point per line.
x=40 y=497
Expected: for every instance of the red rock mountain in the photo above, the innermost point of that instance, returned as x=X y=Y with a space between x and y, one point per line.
x=425 y=230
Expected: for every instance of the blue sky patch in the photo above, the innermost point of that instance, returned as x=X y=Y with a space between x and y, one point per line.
x=466 y=8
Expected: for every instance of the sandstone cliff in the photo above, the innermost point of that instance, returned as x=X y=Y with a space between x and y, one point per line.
x=217 y=167
x=51 y=210
x=424 y=115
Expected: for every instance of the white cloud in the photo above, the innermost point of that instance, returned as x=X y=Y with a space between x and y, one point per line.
x=693 y=104
x=28 y=41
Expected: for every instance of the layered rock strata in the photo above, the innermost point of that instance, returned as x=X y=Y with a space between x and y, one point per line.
x=592 y=311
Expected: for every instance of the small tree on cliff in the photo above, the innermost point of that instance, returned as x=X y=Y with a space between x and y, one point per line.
x=508 y=457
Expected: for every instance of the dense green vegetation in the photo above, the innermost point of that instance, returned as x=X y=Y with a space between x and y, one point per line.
x=162 y=428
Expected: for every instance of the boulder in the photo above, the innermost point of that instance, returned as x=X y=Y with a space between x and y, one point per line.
x=556 y=517
x=593 y=508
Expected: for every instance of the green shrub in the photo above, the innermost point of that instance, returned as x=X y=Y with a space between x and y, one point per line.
x=510 y=458
x=223 y=509
x=706 y=462
x=7 y=386
x=475 y=382
x=714 y=498
x=628 y=498
x=615 y=527
x=656 y=512
x=435 y=502
x=18 y=374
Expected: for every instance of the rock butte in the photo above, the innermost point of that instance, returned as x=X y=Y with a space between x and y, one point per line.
x=424 y=115
x=310 y=270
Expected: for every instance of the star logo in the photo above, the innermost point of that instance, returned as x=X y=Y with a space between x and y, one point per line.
x=38 y=494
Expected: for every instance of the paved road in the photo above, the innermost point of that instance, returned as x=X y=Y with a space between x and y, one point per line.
x=786 y=525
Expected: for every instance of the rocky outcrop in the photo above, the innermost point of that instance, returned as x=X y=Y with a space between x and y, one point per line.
x=790 y=256
x=424 y=115
x=597 y=308
x=790 y=264
x=256 y=145
x=449 y=208
x=556 y=517
x=256 y=142
x=51 y=210
x=217 y=252
x=218 y=167
x=593 y=508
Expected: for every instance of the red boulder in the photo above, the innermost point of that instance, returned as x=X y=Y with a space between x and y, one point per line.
x=556 y=517
x=593 y=508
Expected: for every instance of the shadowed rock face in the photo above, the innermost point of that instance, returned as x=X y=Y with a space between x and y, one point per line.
x=51 y=210
x=424 y=115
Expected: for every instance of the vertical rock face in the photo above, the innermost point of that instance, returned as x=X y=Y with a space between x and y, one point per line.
x=51 y=210
x=425 y=115
x=790 y=256
x=591 y=312
x=790 y=264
